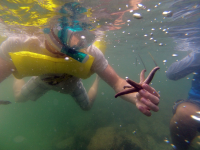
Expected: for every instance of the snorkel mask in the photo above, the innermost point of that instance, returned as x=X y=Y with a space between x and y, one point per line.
x=70 y=37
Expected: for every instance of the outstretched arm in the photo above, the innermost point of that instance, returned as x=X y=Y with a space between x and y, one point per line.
x=185 y=66
x=145 y=100
x=93 y=90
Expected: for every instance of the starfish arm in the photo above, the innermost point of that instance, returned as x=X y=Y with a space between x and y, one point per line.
x=131 y=90
x=134 y=84
x=151 y=75
x=142 y=77
x=127 y=86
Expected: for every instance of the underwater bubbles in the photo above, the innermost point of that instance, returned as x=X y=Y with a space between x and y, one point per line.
x=66 y=58
x=167 y=13
x=174 y=55
x=137 y=15
x=141 y=6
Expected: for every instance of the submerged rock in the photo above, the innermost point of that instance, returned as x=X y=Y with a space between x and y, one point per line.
x=109 y=138
x=103 y=139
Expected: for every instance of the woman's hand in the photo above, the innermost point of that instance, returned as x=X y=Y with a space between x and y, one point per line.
x=147 y=99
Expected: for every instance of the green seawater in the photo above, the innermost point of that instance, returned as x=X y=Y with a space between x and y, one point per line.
x=55 y=121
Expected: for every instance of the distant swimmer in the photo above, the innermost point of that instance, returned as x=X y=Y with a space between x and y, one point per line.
x=2 y=102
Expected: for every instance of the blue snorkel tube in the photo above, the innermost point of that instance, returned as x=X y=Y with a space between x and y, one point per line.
x=79 y=56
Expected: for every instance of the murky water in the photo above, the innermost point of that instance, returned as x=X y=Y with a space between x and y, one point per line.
x=55 y=121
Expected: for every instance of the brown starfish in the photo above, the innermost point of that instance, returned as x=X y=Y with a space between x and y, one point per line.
x=136 y=87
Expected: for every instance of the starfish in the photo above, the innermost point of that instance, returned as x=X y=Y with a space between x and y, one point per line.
x=136 y=87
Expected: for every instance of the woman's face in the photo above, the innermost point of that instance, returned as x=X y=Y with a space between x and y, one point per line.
x=74 y=41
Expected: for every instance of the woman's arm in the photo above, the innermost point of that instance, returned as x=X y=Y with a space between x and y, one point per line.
x=187 y=65
x=145 y=100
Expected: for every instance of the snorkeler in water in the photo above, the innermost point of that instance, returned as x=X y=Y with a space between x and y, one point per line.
x=185 y=124
x=58 y=59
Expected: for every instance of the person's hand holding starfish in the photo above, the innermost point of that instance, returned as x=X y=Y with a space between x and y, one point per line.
x=147 y=97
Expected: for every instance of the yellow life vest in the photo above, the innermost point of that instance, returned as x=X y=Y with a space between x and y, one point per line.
x=34 y=64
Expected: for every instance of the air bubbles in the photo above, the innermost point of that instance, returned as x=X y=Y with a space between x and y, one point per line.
x=151 y=34
x=174 y=55
x=123 y=31
x=160 y=44
x=126 y=6
x=153 y=29
x=186 y=141
x=148 y=10
x=141 y=6
x=119 y=8
x=131 y=11
x=151 y=38
x=164 y=61
x=145 y=35
x=128 y=20
x=173 y=146
x=137 y=15
x=155 y=41
x=167 y=13
x=134 y=132
x=126 y=77
x=66 y=58
x=83 y=37
x=195 y=118
x=166 y=140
